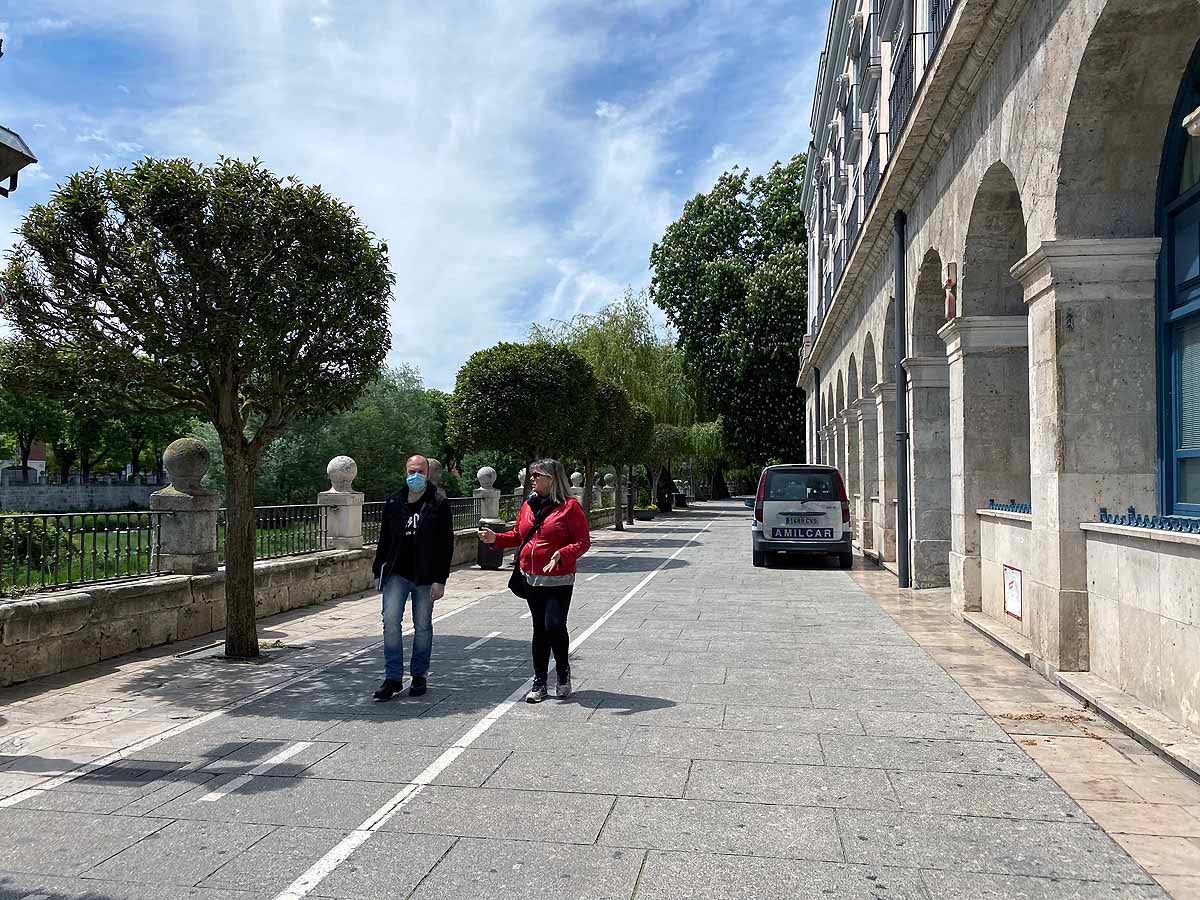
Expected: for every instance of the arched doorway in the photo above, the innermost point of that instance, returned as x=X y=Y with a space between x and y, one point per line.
x=929 y=431
x=988 y=356
x=839 y=425
x=854 y=449
x=869 y=438
x=885 y=409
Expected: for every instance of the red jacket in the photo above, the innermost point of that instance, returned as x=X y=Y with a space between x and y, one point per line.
x=565 y=530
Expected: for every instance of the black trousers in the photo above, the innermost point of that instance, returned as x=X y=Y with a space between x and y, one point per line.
x=549 y=607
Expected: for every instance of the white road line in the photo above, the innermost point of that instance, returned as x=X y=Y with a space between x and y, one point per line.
x=342 y=851
x=481 y=641
x=261 y=769
x=592 y=577
x=126 y=752
x=612 y=565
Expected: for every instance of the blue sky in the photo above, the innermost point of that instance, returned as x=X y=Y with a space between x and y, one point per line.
x=519 y=158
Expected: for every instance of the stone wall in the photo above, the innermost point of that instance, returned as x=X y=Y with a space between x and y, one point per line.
x=74 y=498
x=1144 y=616
x=1004 y=540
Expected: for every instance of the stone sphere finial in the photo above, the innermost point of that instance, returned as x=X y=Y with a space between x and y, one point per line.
x=342 y=471
x=486 y=477
x=186 y=461
x=610 y=479
x=576 y=479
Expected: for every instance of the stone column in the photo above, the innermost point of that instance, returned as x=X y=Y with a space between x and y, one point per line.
x=838 y=425
x=850 y=466
x=608 y=493
x=343 y=506
x=929 y=494
x=188 y=530
x=488 y=494
x=865 y=413
x=577 y=488
x=989 y=435
x=885 y=443
x=1093 y=420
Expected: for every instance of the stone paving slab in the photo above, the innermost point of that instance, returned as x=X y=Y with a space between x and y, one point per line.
x=919 y=754
x=791 y=785
x=952 y=886
x=745 y=829
x=986 y=845
x=936 y=726
x=400 y=764
x=271 y=864
x=504 y=870
x=593 y=774
x=1023 y=797
x=712 y=743
x=506 y=814
x=705 y=876
x=65 y=843
x=790 y=718
x=195 y=849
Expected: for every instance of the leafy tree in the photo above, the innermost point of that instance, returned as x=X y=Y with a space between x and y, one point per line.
x=706 y=446
x=538 y=399
x=246 y=299
x=731 y=275
x=626 y=347
x=607 y=440
x=27 y=414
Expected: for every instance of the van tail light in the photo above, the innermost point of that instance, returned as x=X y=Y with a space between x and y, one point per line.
x=760 y=497
x=845 y=501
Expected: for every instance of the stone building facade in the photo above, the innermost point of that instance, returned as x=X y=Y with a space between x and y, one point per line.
x=1005 y=319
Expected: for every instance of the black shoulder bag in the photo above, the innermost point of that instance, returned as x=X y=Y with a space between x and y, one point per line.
x=517 y=582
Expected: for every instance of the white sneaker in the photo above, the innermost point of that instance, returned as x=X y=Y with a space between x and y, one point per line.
x=564 y=688
x=536 y=694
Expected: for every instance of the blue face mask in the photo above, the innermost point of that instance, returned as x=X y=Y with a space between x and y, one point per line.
x=415 y=482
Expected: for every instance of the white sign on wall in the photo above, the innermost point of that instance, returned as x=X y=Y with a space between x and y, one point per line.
x=1012 y=592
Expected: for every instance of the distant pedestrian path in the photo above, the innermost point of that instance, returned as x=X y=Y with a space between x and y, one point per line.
x=734 y=733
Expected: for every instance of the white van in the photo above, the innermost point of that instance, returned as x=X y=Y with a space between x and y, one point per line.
x=801 y=509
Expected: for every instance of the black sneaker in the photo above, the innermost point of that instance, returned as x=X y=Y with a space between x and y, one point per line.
x=388 y=690
x=537 y=693
x=418 y=686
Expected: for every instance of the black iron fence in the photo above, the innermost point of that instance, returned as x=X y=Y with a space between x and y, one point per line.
x=281 y=530
x=372 y=522
x=39 y=552
x=466 y=512
x=510 y=505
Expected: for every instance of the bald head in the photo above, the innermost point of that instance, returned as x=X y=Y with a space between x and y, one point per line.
x=417 y=463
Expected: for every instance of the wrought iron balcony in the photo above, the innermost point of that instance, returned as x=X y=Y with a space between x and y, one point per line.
x=872 y=171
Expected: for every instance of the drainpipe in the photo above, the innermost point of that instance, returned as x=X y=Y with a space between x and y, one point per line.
x=901 y=382
x=817 y=417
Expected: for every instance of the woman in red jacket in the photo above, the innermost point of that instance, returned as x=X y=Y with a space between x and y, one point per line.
x=552 y=533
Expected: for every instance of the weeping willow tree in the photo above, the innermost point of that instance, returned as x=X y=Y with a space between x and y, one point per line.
x=627 y=348
x=706 y=446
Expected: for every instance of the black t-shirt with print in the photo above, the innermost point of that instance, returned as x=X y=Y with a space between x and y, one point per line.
x=405 y=565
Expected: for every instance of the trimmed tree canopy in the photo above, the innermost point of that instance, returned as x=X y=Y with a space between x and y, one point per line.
x=539 y=399
x=244 y=297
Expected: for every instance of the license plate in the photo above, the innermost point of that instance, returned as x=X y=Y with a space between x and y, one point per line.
x=801 y=521
x=803 y=534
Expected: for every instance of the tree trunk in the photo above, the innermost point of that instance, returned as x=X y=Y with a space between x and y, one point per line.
x=589 y=475
x=135 y=461
x=241 y=630
x=652 y=477
x=26 y=448
x=629 y=498
x=66 y=459
x=85 y=465
x=666 y=490
x=720 y=491
x=619 y=513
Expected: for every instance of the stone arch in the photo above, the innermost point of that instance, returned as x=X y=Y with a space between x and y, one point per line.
x=870 y=366
x=928 y=308
x=887 y=367
x=854 y=448
x=852 y=390
x=839 y=427
x=884 y=517
x=928 y=391
x=996 y=241
x=987 y=348
x=1121 y=102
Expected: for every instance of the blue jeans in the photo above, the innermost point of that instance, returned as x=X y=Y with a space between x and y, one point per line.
x=396 y=591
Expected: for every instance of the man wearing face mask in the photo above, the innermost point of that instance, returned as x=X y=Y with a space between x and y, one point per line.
x=416 y=544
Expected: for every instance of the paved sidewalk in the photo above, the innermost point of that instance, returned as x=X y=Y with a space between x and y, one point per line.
x=736 y=733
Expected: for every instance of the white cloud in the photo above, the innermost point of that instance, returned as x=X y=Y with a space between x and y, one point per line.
x=606 y=110
x=454 y=132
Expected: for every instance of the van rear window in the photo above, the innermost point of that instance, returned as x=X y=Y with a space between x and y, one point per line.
x=820 y=486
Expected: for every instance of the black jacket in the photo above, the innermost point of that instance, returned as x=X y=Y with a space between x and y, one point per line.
x=434 y=537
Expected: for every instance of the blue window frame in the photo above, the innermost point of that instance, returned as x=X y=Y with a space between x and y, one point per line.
x=1179 y=306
